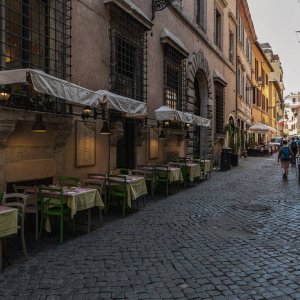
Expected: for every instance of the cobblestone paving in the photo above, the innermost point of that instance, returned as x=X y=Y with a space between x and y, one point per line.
x=235 y=236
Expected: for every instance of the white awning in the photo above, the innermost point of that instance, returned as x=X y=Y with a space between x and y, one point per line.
x=261 y=128
x=165 y=113
x=50 y=85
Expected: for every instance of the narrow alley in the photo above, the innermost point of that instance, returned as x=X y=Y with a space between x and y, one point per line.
x=235 y=236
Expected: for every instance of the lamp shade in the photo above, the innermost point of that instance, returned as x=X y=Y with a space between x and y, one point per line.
x=105 y=128
x=162 y=135
x=86 y=112
x=38 y=125
x=4 y=93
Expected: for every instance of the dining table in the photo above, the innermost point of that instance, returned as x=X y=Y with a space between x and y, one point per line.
x=77 y=199
x=194 y=169
x=8 y=224
x=135 y=185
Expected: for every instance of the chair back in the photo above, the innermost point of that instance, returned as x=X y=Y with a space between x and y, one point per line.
x=96 y=175
x=32 y=199
x=1 y=197
x=51 y=197
x=117 y=184
x=16 y=200
x=138 y=172
x=69 y=181
x=161 y=172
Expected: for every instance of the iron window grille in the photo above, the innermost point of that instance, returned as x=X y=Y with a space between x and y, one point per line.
x=128 y=55
x=174 y=77
x=36 y=34
x=220 y=108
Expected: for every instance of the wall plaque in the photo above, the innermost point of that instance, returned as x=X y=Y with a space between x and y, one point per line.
x=85 y=144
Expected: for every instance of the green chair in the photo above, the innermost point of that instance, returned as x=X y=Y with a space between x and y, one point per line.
x=1 y=197
x=162 y=177
x=52 y=204
x=69 y=181
x=117 y=187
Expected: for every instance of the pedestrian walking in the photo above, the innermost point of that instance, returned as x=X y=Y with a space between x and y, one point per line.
x=294 y=148
x=284 y=155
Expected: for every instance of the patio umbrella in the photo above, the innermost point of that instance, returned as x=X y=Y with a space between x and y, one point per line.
x=260 y=128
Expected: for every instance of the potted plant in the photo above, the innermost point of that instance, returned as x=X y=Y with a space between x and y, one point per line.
x=234 y=136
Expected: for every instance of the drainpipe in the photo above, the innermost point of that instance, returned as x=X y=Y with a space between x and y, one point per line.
x=2 y=30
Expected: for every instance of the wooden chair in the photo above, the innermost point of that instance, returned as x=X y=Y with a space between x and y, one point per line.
x=117 y=187
x=32 y=206
x=19 y=201
x=69 y=181
x=52 y=204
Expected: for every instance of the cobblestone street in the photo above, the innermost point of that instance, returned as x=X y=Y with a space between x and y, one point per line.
x=234 y=236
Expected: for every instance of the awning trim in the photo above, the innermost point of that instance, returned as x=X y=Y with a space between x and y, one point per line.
x=165 y=113
x=50 y=85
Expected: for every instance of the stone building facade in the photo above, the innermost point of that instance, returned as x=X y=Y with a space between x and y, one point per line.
x=183 y=56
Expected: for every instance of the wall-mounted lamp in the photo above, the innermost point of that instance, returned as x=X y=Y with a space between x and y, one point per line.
x=105 y=128
x=162 y=135
x=86 y=112
x=167 y=124
x=4 y=93
x=38 y=125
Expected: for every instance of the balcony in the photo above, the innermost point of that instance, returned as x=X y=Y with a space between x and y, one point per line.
x=295 y=104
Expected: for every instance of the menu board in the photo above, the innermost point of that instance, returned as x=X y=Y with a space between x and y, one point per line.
x=85 y=140
x=153 y=143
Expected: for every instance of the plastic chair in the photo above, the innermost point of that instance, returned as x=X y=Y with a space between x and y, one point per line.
x=117 y=188
x=32 y=206
x=18 y=200
x=52 y=204
x=69 y=181
x=162 y=176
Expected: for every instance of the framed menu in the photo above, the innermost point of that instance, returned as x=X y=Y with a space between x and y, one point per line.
x=153 y=151
x=85 y=144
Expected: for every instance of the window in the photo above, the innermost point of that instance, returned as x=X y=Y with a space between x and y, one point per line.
x=263 y=75
x=240 y=82
x=254 y=96
x=218 y=29
x=219 y=94
x=201 y=13
x=173 y=77
x=256 y=69
x=241 y=31
x=267 y=104
x=267 y=79
x=259 y=98
x=231 y=47
x=263 y=104
x=36 y=34
x=128 y=57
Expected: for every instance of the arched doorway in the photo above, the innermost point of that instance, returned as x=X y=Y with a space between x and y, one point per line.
x=199 y=102
x=200 y=143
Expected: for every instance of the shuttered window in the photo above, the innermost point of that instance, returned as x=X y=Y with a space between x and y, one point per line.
x=218 y=29
x=201 y=13
x=219 y=94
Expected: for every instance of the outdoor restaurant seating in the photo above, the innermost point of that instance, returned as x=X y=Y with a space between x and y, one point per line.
x=32 y=206
x=18 y=200
x=162 y=177
x=52 y=204
x=149 y=176
x=69 y=181
x=117 y=188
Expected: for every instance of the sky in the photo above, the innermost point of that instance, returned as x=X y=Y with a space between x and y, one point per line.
x=276 y=22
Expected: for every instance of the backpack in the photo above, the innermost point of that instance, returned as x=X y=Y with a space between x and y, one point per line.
x=285 y=153
x=294 y=145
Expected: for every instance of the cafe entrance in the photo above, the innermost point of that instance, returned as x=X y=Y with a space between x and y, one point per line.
x=126 y=146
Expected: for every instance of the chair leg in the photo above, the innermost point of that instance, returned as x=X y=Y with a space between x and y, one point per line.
x=23 y=239
x=100 y=216
x=124 y=207
x=167 y=189
x=37 y=225
x=89 y=220
x=42 y=224
x=61 y=229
